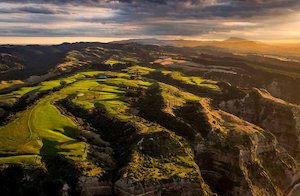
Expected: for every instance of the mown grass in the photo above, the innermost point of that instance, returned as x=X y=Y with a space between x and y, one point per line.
x=101 y=93
x=96 y=93
x=28 y=160
x=45 y=116
x=43 y=122
x=138 y=70
x=12 y=97
x=40 y=123
x=87 y=74
x=191 y=80
x=17 y=138
x=106 y=93
x=123 y=82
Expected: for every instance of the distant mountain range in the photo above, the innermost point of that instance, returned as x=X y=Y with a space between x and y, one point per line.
x=232 y=44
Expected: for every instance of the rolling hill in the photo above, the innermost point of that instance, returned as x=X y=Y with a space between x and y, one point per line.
x=232 y=44
x=135 y=119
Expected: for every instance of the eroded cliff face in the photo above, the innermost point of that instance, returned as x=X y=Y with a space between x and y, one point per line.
x=150 y=159
x=274 y=115
x=234 y=156
x=90 y=186
x=238 y=157
x=182 y=187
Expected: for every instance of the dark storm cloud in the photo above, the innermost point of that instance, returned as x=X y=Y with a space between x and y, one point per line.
x=40 y=10
x=147 y=17
x=252 y=8
x=31 y=10
x=178 y=8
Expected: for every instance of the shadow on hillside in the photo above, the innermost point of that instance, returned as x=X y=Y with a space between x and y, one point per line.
x=151 y=108
x=18 y=180
x=121 y=135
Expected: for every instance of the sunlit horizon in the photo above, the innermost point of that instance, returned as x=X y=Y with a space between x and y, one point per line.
x=55 y=22
x=60 y=40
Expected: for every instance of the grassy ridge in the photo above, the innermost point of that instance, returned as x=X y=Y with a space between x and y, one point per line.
x=196 y=81
x=45 y=122
x=40 y=124
x=159 y=154
x=54 y=133
x=12 y=97
x=17 y=137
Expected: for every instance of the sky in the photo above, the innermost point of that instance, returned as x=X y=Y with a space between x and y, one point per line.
x=56 y=21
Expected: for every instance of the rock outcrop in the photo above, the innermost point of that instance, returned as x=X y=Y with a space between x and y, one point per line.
x=274 y=115
x=234 y=151
x=91 y=186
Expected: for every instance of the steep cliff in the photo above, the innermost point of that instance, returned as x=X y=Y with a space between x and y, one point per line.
x=274 y=115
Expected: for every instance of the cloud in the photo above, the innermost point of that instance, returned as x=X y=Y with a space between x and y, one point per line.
x=9 y=8
x=176 y=8
x=239 y=23
x=118 y=18
x=40 y=10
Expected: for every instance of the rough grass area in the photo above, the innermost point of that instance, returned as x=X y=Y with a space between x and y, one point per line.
x=162 y=155
x=173 y=97
x=5 y=84
x=131 y=59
